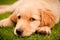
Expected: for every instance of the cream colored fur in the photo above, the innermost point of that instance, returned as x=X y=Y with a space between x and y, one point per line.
x=32 y=15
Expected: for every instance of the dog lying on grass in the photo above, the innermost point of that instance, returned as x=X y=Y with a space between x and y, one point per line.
x=31 y=16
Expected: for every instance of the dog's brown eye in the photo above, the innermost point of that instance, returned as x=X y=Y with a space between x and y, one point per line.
x=32 y=19
x=19 y=17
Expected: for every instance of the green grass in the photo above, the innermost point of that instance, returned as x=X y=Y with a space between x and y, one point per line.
x=6 y=1
x=7 y=33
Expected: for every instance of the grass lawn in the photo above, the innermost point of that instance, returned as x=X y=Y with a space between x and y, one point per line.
x=7 y=33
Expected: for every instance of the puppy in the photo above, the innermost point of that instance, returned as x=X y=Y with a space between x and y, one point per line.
x=32 y=15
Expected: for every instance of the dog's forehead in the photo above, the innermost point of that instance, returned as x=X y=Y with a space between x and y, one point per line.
x=27 y=12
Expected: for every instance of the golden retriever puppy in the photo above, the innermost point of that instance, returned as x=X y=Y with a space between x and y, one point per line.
x=31 y=16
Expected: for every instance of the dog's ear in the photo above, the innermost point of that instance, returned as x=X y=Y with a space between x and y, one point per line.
x=47 y=17
x=13 y=17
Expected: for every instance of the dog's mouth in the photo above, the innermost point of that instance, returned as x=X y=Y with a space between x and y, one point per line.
x=22 y=33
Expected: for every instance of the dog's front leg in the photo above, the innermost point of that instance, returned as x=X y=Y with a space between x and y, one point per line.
x=10 y=21
x=6 y=22
x=44 y=30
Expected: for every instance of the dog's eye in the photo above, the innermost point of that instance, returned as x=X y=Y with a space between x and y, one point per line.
x=32 y=19
x=19 y=17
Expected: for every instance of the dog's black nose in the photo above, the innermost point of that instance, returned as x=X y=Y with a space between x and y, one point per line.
x=19 y=32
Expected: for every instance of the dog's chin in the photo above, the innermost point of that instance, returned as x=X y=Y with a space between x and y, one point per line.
x=23 y=34
x=26 y=35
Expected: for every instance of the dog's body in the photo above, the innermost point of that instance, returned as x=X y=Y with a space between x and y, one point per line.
x=31 y=16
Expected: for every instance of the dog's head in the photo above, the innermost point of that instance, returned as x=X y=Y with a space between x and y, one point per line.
x=27 y=22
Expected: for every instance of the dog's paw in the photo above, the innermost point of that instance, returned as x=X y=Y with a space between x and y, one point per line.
x=44 y=30
x=2 y=23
